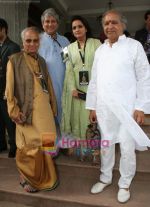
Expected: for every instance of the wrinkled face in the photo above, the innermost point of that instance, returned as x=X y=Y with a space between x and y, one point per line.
x=113 y=27
x=148 y=22
x=31 y=42
x=78 y=29
x=50 y=25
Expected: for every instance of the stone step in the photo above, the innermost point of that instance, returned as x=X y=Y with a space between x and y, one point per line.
x=142 y=158
x=76 y=179
x=147 y=120
x=146 y=125
x=11 y=204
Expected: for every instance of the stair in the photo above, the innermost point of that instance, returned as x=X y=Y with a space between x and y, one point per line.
x=76 y=179
x=12 y=204
x=146 y=126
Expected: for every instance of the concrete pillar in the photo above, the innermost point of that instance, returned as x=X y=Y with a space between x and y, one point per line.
x=15 y=12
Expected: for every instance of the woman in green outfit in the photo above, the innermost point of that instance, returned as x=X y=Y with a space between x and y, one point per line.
x=75 y=118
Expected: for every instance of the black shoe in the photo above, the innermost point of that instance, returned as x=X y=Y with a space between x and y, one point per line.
x=12 y=153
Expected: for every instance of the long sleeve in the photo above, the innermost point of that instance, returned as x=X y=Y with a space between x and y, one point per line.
x=69 y=75
x=69 y=82
x=142 y=69
x=91 y=97
x=69 y=86
x=13 y=109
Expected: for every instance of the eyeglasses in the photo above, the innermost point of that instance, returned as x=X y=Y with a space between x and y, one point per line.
x=28 y=41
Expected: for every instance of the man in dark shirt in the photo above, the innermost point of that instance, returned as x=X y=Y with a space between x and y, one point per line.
x=7 y=48
x=143 y=35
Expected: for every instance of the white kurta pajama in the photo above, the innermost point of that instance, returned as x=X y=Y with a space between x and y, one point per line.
x=120 y=84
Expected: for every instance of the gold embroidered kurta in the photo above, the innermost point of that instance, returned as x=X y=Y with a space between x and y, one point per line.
x=35 y=165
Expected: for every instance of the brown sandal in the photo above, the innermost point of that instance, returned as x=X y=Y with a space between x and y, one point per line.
x=27 y=187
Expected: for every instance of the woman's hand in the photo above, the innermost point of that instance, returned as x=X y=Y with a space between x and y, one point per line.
x=75 y=94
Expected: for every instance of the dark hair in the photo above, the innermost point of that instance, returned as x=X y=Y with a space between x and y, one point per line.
x=84 y=22
x=3 y=24
x=69 y=36
x=146 y=15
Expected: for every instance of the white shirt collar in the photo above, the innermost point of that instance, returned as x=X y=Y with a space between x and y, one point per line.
x=121 y=37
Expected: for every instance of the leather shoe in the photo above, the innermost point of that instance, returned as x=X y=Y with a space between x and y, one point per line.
x=123 y=195
x=99 y=187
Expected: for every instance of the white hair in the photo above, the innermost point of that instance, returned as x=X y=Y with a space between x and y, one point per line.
x=33 y=29
x=49 y=12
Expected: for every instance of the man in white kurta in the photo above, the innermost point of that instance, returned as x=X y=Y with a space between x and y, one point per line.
x=118 y=96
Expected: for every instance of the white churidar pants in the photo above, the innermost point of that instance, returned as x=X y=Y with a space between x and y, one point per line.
x=127 y=165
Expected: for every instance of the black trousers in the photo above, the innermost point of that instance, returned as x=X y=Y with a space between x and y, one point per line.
x=6 y=123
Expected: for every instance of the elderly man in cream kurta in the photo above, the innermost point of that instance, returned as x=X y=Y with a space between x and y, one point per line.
x=32 y=106
x=118 y=96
